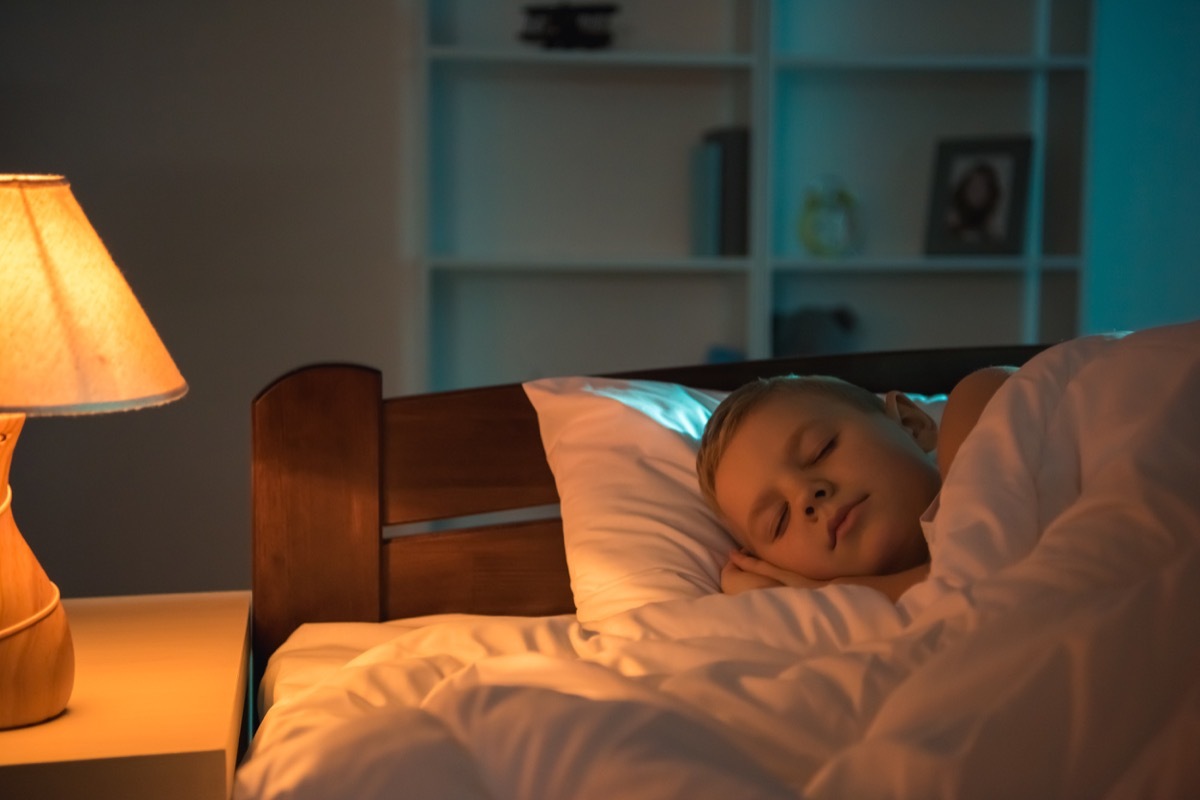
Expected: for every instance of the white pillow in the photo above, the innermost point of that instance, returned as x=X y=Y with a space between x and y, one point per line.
x=635 y=525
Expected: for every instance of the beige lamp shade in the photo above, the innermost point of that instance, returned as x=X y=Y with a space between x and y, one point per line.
x=73 y=338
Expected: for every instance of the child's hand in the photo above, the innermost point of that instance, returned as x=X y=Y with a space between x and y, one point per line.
x=734 y=579
x=744 y=571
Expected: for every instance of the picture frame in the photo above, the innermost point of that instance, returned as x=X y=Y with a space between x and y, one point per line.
x=979 y=197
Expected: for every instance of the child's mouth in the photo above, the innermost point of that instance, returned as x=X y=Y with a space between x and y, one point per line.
x=843 y=520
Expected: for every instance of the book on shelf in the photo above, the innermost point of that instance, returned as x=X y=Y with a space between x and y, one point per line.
x=720 y=192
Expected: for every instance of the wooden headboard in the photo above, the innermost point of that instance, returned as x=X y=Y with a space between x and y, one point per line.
x=335 y=463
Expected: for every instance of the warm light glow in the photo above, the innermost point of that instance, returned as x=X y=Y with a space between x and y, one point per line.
x=73 y=338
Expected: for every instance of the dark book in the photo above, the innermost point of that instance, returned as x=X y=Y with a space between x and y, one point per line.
x=733 y=189
x=706 y=199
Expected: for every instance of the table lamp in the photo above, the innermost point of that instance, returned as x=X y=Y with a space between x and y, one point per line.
x=73 y=340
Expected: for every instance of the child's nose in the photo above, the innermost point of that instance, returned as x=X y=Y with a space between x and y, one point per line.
x=818 y=492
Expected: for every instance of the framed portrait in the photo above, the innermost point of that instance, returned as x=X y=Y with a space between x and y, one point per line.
x=979 y=197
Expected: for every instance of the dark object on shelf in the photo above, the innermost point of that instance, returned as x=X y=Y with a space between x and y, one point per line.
x=721 y=189
x=724 y=354
x=814 y=330
x=567 y=26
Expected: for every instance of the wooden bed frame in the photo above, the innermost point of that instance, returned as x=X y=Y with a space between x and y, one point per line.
x=335 y=463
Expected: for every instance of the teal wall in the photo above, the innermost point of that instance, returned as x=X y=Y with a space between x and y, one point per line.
x=1143 y=230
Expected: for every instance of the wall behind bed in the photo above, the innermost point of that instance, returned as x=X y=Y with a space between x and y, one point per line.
x=243 y=161
x=1142 y=240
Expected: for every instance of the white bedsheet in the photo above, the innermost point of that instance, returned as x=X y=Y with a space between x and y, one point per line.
x=1053 y=652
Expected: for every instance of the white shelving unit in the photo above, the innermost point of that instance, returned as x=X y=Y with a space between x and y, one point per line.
x=557 y=184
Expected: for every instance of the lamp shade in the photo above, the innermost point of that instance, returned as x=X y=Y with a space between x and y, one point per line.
x=73 y=338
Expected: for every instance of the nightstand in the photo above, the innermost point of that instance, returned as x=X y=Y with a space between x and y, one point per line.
x=156 y=711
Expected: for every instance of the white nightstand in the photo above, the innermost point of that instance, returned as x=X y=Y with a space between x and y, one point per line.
x=156 y=711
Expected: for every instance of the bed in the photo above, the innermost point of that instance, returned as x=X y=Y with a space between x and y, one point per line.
x=509 y=592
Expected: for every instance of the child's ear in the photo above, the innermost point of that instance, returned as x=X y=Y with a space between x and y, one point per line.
x=901 y=409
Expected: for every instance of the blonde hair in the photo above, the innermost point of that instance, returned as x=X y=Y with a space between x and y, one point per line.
x=734 y=409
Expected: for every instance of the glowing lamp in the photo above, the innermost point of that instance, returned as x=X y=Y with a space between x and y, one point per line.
x=73 y=340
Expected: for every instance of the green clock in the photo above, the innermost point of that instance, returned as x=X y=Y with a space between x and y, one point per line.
x=828 y=224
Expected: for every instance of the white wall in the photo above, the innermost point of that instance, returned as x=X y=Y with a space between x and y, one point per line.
x=1143 y=233
x=242 y=161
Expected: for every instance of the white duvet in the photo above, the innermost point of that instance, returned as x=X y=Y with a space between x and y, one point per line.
x=1053 y=652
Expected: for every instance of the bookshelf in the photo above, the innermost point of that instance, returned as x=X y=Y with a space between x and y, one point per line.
x=558 y=194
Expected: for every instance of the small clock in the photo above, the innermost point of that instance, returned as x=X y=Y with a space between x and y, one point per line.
x=828 y=224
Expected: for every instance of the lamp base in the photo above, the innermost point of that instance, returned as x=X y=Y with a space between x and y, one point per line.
x=37 y=659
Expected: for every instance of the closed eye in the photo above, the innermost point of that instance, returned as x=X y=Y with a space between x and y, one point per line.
x=781 y=521
x=827 y=449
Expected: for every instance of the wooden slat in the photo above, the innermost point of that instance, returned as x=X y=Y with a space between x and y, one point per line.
x=463 y=452
x=506 y=569
x=315 y=479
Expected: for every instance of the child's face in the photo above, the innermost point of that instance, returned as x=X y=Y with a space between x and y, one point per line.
x=826 y=490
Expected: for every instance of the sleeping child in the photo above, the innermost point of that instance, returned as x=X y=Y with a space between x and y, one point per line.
x=820 y=481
